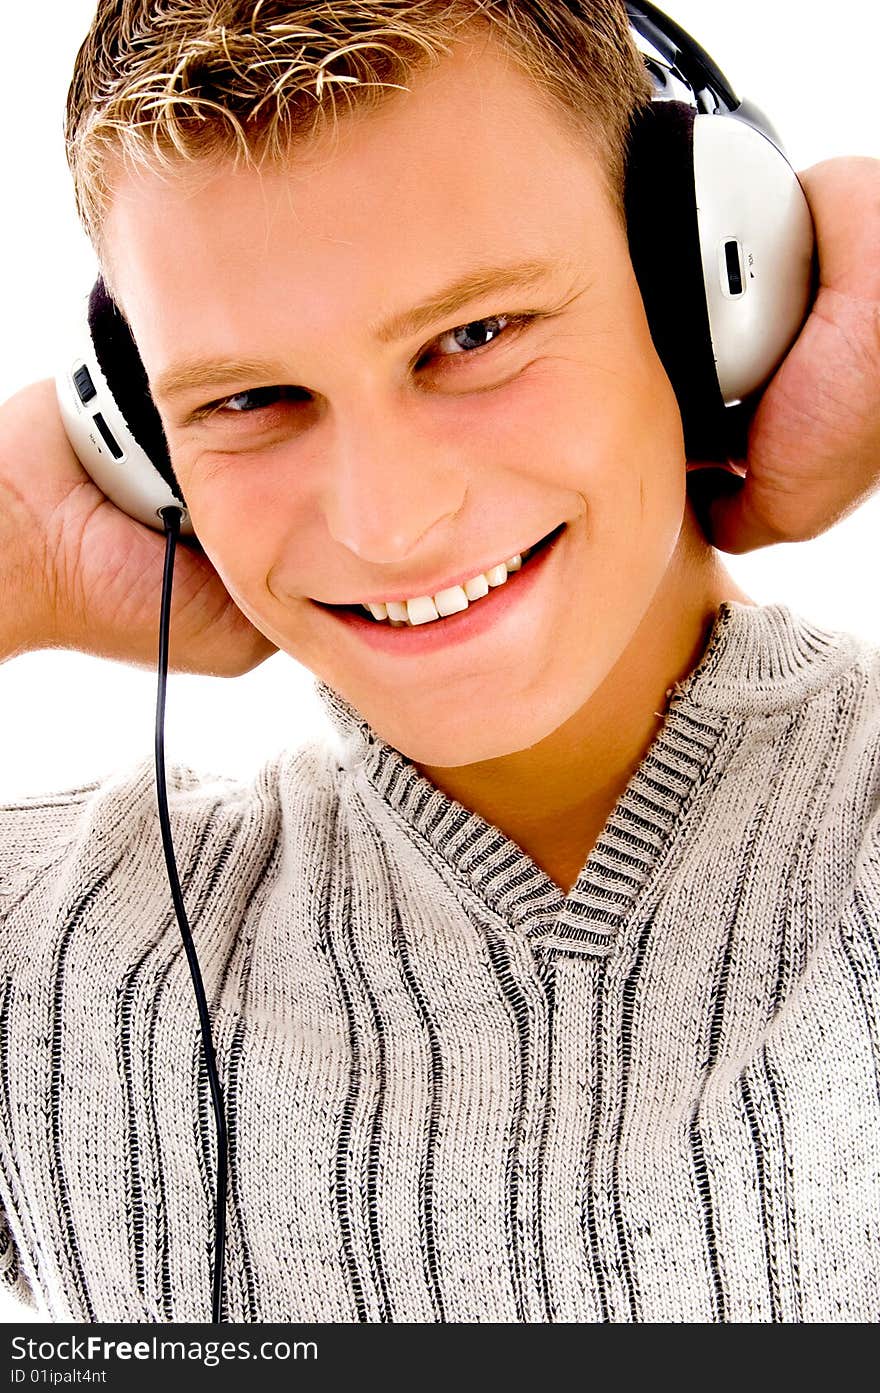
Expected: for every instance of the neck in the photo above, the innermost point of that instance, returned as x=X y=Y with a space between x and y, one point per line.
x=554 y=798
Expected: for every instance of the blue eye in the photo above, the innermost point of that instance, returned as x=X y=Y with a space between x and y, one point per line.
x=476 y=329
x=261 y=397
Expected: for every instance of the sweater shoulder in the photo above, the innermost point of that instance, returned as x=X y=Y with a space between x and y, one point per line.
x=836 y=755
x=56 y=848
x=839 y=746
x=862 y=764
x=855 y=700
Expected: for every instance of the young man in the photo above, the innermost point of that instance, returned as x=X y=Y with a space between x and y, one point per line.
x=547 y=993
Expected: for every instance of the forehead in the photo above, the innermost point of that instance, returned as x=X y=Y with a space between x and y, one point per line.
x=471 y=160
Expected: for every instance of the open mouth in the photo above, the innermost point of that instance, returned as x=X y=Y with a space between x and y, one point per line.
x=362 y=612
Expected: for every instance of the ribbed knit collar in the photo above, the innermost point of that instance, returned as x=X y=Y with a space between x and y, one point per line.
x=758 y=659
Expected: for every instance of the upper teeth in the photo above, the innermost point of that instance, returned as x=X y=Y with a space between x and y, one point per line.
x=424 y=608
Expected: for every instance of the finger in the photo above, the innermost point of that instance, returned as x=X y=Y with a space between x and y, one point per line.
x=848 y=260
x=726 y=511
x=733 y=519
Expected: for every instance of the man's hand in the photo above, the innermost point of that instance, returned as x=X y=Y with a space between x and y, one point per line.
x=76 y=572
x=814 y=442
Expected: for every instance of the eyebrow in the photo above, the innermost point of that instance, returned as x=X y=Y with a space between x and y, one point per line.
x=475 y=284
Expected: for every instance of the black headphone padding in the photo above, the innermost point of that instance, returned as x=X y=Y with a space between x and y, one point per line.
x=664 y=241
x=121 y=364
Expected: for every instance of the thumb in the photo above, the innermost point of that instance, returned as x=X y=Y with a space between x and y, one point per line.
x=735 y=524
x=724 y=505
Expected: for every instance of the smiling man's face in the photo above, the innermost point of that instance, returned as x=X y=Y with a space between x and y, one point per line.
x=361 y=457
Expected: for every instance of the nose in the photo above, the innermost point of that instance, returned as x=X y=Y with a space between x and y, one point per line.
x=389 y=484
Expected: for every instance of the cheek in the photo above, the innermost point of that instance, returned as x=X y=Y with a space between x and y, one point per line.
x=611 y=432
x=235 y=506
x=605 y=425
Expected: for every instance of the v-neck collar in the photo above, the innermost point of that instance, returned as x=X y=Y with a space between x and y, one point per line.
x=758 y=659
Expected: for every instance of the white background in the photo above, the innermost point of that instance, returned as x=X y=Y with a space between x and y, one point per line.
x=68 y=718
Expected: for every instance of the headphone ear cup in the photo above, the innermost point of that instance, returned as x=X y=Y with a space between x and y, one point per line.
x=664 y=241
x=120 y=362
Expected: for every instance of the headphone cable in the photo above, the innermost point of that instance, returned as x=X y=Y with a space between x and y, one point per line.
x=171 y=518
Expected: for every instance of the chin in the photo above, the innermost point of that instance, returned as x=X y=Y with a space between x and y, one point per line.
x=464 y=742
x=452 y=753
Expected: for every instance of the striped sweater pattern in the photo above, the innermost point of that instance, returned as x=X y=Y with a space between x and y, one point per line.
x=454 y=1093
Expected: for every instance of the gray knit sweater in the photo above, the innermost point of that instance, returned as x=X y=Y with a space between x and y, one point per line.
x=453 y=1092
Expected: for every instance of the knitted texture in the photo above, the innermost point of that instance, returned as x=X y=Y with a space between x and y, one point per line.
x=453 y=1092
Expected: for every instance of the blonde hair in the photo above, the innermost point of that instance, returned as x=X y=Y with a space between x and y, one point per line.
x=160 y=82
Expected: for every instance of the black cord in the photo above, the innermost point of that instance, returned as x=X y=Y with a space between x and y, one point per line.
x=171 y=518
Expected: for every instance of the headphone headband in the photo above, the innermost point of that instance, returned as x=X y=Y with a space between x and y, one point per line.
x=683 y=71
x=689 y=62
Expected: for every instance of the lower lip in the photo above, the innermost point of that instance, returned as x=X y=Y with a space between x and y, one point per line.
x=479 y=616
